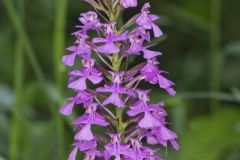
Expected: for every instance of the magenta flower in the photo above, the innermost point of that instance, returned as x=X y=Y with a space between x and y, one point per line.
x=90 y=21
x=116 y=148
x=81 y=49
x=140 y=152
x=85 y=146
x=109 y=47
x=153 y=75
x=117 y=120
x=141 y=106
x=88 y=72
x=81 y=97
x=115 y=89
x=136 y=41
x=146 y=20
x=89 y=118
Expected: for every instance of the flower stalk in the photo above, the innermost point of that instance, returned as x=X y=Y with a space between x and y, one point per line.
x=114 y=100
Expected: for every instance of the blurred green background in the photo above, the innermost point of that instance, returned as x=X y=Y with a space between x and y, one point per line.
x=201 y=50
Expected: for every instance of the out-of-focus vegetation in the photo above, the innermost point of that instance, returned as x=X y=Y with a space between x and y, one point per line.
x=201 y=51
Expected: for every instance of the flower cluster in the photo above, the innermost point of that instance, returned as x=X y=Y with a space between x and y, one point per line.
x=107 y=89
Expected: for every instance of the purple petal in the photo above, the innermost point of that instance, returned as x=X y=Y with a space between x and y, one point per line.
x=108 y=48
x=69 y=59
x=67 y=109
x=95 y=79
x=148 y=121
x=104 y=89
x=164 y=82
x=154 y=17
x=86 y=145
x=85 y=134
x=174 y=144
x=81 y=120
x=79 y=84
x=150 y=54
x=98 y=119
x=156 y=30
x=171 y=91
x=73 y=154
x=98 y=40
x=151 y=139
x=114 y=99
x=135 y=109
x=167 y=134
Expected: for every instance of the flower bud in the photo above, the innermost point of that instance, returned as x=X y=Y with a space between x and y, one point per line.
x=129 y=3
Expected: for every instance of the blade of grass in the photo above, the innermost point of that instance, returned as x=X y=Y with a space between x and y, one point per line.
x=16 y=133
x=58 y=50
x=18 y=85
x=14 y=17
x=216 y=58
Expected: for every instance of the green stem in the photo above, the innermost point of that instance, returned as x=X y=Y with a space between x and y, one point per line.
x=18 y=88
x=58 y=50
x=18 y=85
x=216 y=59
x=119 y=112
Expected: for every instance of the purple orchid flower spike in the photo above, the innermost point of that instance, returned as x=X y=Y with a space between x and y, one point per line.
x=88 y=72
x=105 y=64
x=89 y=118
x=115 y=89
x=109 y=47
x=116 y=148
x=146 y=20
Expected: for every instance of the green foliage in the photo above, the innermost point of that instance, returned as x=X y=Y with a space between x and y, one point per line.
x=212 y=137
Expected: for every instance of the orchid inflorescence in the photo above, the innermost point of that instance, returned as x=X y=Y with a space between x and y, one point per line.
x=129 y=124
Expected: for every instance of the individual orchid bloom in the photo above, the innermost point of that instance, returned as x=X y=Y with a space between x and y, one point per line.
x=153 y=75
x=82 y=146
x=116 y=148
x=138 y=150
x=151 y=154
x=163 y=135
x=90 y=21
x=115 y=89
x=136 y=41
x=89 y=118
x=92 y=155
x=109 y=47
x=129 y=3
x=81 y=49
x=81 y=97
x=141 y=106
x=86 y=145
x=88 y=72
x=146 y=20
x=145 y=35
